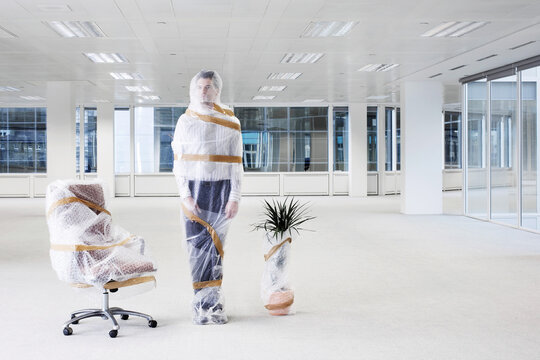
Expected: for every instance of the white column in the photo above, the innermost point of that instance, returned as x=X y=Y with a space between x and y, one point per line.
x=357 y=150
x=105 y=146
x=60 y=131
x=421 y=148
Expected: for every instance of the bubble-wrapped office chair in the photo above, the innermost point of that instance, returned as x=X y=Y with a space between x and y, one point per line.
x=88 y=251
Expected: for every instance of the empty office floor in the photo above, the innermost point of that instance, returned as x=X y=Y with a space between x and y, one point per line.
x=370 y=283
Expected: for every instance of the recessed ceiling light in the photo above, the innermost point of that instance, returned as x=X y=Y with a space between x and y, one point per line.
x=283 y=76
x=272 y=88
x=313 y=100
x=126 y=76
x=454 y=28
x=54 y=8
x=487 y=57
x=9 y=88
x=5 y=33
x=301 y=58
x=377 y=97
x=138 y=88
x=150 y=97
x=33 y=98
x=106 y=58
x=81 y=29
x=328 y=28
x=522 y=45
x=260 y=97
x=378 y=67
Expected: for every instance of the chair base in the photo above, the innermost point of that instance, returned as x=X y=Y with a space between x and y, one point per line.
x=105 y=313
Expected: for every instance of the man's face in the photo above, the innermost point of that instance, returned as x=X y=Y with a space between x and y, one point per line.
x=206 y=91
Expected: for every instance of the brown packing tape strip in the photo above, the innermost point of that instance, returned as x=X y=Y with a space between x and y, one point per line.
x=213 y=158
x=222 y=110
x=280 y=305
x=119 y=284
x=214 y=120
x=215 y=238
x=205 y=284
x=63 y=247
x=73 y=199
x=276 y=248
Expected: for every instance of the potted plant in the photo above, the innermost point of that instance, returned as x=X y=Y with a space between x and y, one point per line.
x=280 y=220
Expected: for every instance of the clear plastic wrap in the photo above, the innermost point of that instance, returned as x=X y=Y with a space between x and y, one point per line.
x=208 y=168
x=86 y=247
x=276 y=291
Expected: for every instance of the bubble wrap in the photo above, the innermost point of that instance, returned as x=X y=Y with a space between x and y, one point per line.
x=74 y=226
x=276 y=291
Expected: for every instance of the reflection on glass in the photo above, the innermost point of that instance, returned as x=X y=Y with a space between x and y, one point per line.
x=372 y=138
x=530 y=149
x=90 y=140
x=154 y=131
x=398 y=139
x=121 y=140
x=341 y=139
x=452 y=140
x=388 y=138
x=477 y=194
x=23 y=140
x=503 y=150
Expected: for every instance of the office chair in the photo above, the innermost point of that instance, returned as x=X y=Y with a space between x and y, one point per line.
x=90 y=252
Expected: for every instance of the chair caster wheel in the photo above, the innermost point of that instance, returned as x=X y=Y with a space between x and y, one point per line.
x=124 y=316
x=152 y=323
x=74 y=322
x=68 y=331
x=113 y=333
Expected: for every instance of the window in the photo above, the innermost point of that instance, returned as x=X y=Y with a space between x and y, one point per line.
x=284 y=139
x=23 y=140
x=392 y=137
x=90 y=139
x=341 y=139
x=122 y=140
x=452 y=140
x=372 y=138
x=154 y=131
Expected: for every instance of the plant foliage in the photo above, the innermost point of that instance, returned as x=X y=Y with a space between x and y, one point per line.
x=280 y=217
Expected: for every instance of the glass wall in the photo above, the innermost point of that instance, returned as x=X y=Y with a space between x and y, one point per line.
x=530 y=149
x=122 y=140
x=284 y=139
x=504 y=189
x=392 y=138
x=452 y=140
x=341 y=139
x=372 y=138
x=23 y=140
x=154 y=131
x=90 y=139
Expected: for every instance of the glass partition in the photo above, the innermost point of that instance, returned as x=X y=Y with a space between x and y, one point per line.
x=372 y=138
x=341 y=139
x=122 y=141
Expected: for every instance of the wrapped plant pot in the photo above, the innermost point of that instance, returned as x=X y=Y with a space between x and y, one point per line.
x=281 y=218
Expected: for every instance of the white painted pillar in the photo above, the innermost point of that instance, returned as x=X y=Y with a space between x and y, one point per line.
x=421 y=148
x=105 y=146
x=60 y=131
x=357 y=150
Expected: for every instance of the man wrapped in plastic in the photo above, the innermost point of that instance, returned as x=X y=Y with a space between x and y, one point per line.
x=208 y=168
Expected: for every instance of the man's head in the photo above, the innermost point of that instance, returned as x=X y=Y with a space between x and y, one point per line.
x=206 y=87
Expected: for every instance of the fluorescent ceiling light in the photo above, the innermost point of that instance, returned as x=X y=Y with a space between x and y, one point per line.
x=126 y=76
x=5 y=33
x=138 y=88
x=328 y=28
x=32 y=98
x=106 y=58
x=8 y=88
x=260 y=97
x=272 y=88
x=150 y=97
x=301 y=58
x=54 y=8
x=314 y=100
x=81 y=29
x=377 y=97
x=283 y=76
x=454 y=28
x=378 y=67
